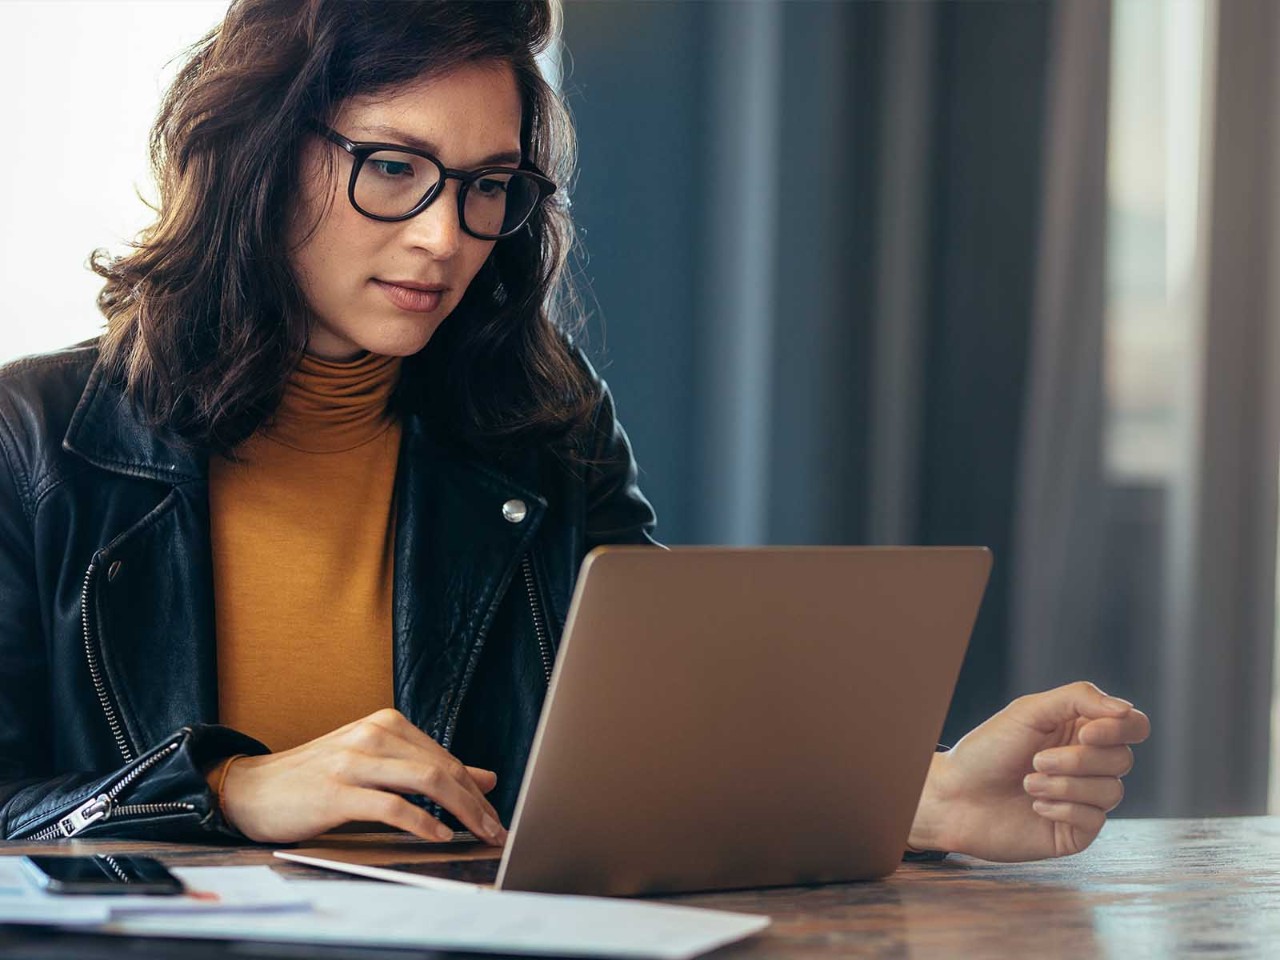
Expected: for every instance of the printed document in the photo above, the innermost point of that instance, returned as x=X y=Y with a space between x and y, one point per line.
x=382 y=914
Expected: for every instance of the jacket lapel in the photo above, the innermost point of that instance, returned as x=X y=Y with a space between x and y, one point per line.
x=456 y=552
x=148 y=595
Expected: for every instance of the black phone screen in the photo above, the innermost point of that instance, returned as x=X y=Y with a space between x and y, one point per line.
x=103 y=873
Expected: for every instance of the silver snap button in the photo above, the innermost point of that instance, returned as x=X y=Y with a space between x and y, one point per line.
x=113 y=569
x=514 y=511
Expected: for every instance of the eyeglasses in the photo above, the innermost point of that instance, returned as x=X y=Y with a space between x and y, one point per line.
x=390 y=182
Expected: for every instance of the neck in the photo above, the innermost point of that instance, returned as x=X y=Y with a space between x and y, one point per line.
x=329 y=406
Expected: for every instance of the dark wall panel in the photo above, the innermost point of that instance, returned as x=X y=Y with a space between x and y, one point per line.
x=988 y=129
x=634 y=83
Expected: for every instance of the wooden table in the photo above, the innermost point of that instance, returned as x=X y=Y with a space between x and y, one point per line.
x=1147 y=888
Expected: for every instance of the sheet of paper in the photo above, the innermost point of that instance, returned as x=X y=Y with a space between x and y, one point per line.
x=20 y=902
x=212 y=890
x=379 y=914
x=222 y=890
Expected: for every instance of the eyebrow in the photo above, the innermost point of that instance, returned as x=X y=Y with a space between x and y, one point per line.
x=399 y=136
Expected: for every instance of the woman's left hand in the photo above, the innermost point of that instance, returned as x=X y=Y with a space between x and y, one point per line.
x=1036 y=780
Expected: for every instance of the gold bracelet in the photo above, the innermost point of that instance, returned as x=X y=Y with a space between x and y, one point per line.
x=222 y=776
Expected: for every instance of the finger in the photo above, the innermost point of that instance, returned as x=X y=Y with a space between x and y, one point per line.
x=1083 y=817
x=360 y=803
x=442 y=782
x=1079 y=761
x=398 y=724
x=1105 y=793
x=1048 y=710
x=453 y=788
x=486 y=780
x=389 y=732
x=1134 y=727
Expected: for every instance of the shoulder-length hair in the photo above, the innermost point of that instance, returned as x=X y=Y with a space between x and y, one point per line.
x=205 y=320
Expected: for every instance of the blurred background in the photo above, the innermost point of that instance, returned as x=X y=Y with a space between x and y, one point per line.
x=876 y=272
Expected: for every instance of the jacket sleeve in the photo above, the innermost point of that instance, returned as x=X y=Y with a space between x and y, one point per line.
x=617 y=512
x=161 y=795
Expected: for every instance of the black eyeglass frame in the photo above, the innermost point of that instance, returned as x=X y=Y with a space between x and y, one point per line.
x=361 y=150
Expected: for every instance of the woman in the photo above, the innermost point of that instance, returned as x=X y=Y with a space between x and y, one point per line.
x=293 y=541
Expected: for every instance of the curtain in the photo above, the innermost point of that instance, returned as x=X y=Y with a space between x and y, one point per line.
x=850 y=271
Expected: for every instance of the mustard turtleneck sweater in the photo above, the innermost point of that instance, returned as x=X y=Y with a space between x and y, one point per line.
x=303 y=532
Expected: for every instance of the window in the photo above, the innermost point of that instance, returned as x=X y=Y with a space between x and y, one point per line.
x=85 y=80
x=1153 y=228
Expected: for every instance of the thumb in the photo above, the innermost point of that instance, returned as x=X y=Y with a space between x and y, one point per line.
x=1068 y=703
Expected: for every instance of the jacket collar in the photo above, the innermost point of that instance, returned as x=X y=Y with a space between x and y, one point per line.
x=108 y=431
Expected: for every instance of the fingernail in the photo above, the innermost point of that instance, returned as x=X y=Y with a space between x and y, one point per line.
x=1045 y=763
x=1117 y=703
x=1035 y=783
x=492 y=829
x=1040 y=806
x=443 y=832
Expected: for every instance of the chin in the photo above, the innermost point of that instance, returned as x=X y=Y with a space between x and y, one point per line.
x=400 y=340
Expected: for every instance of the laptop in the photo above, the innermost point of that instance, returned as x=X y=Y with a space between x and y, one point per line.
x=723 y=718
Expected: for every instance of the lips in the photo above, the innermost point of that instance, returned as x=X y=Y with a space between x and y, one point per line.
x=414 y=284
x=411 y=295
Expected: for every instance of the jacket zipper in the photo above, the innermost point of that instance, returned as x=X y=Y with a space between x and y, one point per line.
x=95 y=669
x=544 y=649
x=103 y=806
x=539 y=624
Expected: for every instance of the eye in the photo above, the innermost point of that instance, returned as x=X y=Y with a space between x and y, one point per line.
x=391 y=168
x=490 y=186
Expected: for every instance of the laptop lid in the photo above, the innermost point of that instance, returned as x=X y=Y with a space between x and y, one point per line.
x=723 y=717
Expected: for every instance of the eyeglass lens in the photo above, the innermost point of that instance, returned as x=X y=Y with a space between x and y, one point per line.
x=390 y=184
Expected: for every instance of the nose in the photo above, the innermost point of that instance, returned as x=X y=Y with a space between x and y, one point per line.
x=436 y=229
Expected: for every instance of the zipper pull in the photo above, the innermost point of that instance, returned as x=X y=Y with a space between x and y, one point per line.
x=99 y=808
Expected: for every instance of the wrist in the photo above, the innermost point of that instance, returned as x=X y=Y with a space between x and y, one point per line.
x=216 y=777
x=929 y=828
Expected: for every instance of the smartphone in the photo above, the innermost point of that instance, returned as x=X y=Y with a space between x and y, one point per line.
x=105 y=873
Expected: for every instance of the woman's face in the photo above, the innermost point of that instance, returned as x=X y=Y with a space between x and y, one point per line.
x=349 y=266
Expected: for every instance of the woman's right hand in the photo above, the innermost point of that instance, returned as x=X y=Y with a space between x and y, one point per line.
x=358 y=772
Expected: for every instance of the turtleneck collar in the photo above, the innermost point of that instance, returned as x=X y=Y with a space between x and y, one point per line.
x=331 y=406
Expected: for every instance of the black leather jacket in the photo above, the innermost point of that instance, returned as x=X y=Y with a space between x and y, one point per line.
x=108 y=669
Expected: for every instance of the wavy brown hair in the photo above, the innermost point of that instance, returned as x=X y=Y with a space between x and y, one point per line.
x=205 y=320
